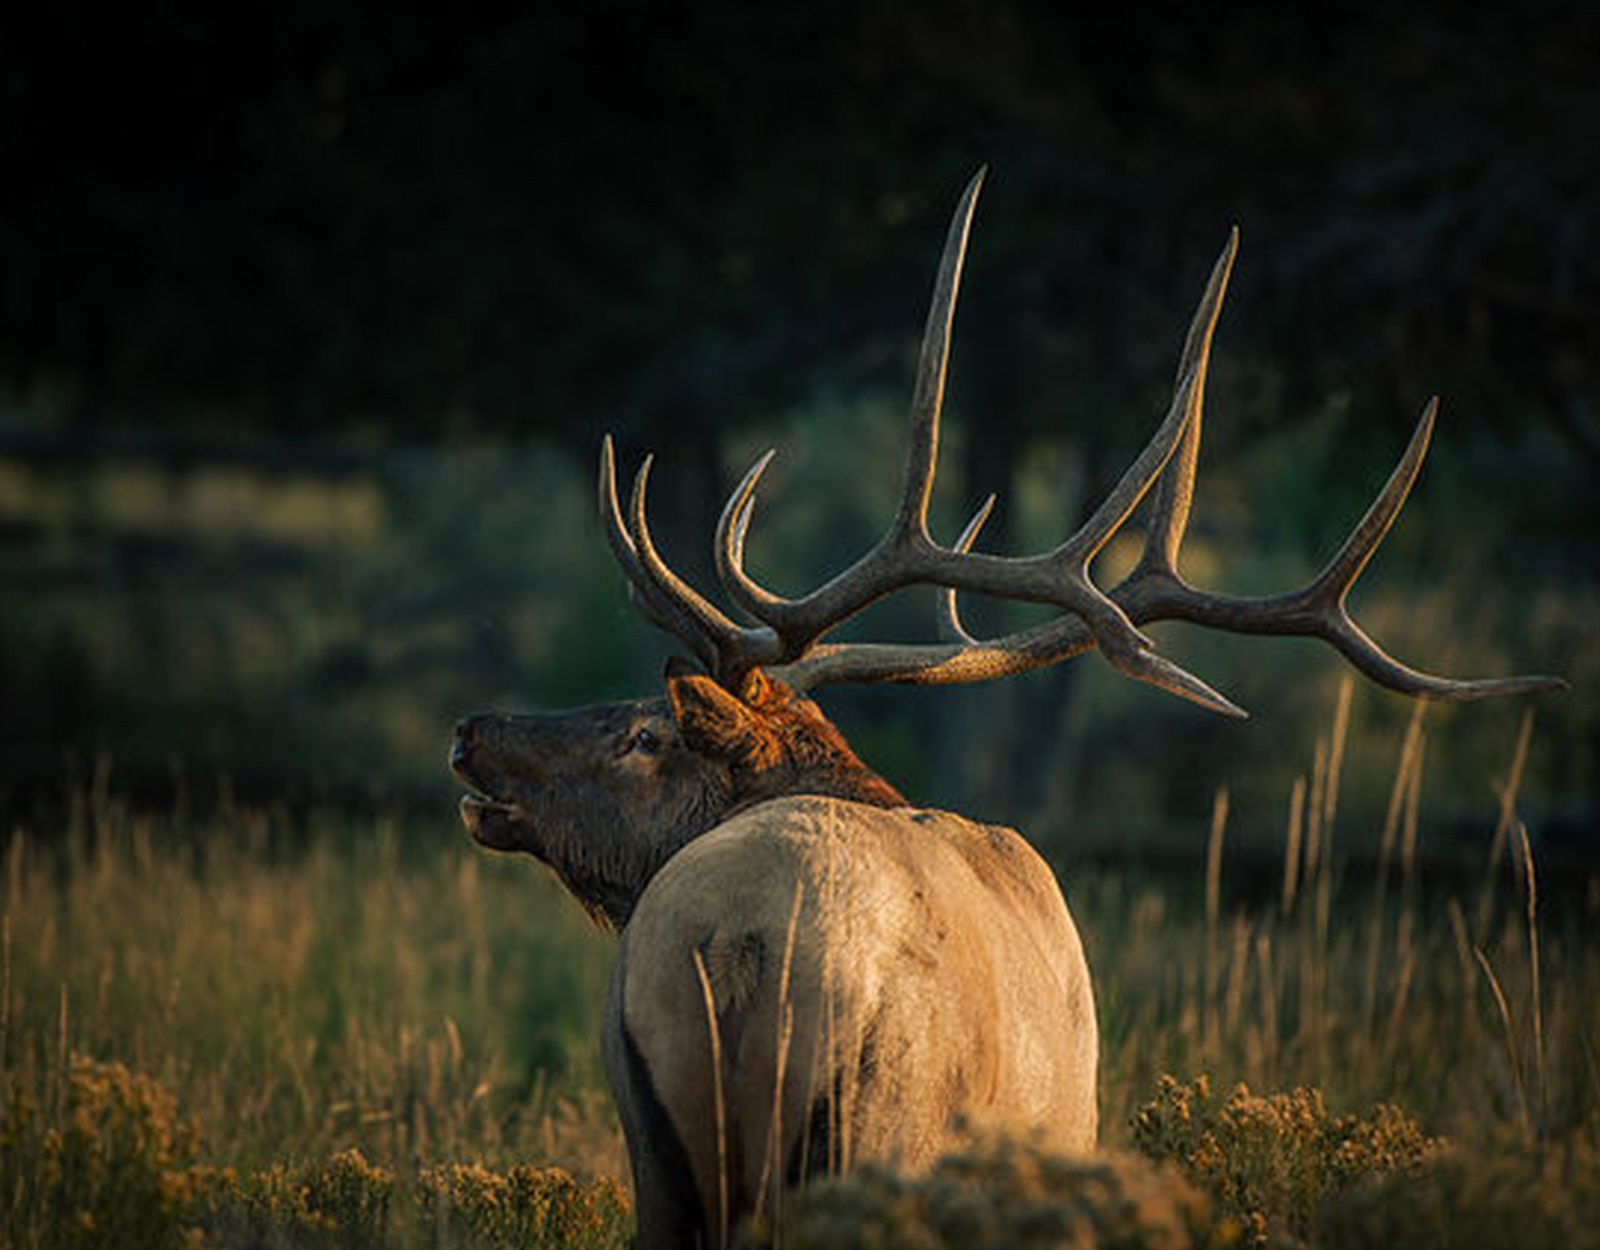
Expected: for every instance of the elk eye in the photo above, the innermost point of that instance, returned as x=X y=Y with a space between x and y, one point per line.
x=642 y=740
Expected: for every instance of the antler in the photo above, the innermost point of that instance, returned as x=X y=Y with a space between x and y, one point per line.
x=789 y=631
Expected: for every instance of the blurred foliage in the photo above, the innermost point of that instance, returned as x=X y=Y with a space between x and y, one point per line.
x=106 y=1161
x=267 y=1031
x=331 y=989
x=526 y=1208
x=1271 y=1161
x=312 y=320
x=1004 y=1193
x=309 y=638
x=524 y=219
x=1498 y=1193
x=1277 y=1172
x=110 y=1164
x=342 y=1203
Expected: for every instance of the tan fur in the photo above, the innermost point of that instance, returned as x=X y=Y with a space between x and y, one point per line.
x=937 y=950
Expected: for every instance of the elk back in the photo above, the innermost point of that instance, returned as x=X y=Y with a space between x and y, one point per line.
x=881 y=979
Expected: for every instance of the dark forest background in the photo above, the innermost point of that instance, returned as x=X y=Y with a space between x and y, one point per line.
x=312 y=317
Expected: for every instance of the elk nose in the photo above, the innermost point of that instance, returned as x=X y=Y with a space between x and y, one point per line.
x=469 y=730
x=468 y=733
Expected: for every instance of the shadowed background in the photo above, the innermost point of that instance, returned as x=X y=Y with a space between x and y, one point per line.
x=311 y=321
x=311 y=324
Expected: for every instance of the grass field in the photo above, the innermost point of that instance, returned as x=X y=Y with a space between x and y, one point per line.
x=231 y=1027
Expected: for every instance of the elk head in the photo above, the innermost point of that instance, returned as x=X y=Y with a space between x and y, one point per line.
x=606 y=795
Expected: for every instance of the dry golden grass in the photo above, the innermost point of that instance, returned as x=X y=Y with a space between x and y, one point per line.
x=216 y=1027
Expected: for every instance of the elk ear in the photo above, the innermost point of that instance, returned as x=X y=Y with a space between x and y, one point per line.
x=712 y=721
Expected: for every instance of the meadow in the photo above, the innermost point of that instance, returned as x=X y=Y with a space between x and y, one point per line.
x=312 y=326
x=259 y=990
x=226 y=1025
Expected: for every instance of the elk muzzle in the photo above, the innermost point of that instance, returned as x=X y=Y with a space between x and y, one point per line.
x=490 y=812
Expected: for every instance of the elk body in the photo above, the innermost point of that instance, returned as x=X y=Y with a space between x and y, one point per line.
x=813 y=973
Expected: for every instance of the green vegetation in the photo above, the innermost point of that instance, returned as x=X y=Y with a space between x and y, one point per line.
x=1272 y=1162
x=296 y=639
x=1004 y=1194
x=307 y=343
x=111 y=1165
x=1255 y=1173
x=336 y=994
x=218 y=1026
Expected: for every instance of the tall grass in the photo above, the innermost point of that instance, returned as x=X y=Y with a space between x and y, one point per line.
x=300 y=1000
x=1338 y=984
x=356 y=1001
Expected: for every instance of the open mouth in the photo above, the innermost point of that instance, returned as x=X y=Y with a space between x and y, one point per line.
x=477 y=806
x=490 y=821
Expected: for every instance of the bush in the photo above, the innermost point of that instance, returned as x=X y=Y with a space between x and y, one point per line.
x=1504 y=1194
x=1004 y=1193
x=107 y=1164
x=1270 y=1161
x=341 y=1202
x=525 y=1207
x=107 y=1160
x=345 y=1203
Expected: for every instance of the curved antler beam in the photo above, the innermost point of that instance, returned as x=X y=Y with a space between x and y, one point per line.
x=1150 y=594
x=907 y=555
x=789 y=633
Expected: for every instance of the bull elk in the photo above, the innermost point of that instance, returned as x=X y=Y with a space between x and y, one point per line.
x=812 y=972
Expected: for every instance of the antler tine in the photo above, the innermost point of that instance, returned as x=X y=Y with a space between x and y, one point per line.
x=948 y=618
x=1365 y=654
x=993 y=660
x=927 y=396
x=1175 y=490
x=663 y=598
x=1318 y=609
x=642 y=593
x=1327 y=593
x=728 y=548
x=1075 y=632
x=1128 y=650
x=738 y=649
x=1333 y=584
x=1181 y=417
x=895 y=561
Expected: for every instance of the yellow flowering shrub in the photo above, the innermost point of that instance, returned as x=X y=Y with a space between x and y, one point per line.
x=1269 y=1161
x=109 y=1165
x=1004 y=1193
x=525 y=1207
x=342 y=1201
x=106 y=1160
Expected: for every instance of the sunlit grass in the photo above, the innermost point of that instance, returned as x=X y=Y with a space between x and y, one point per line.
x=308 y=999
x=281 y=994
x=1461 y=998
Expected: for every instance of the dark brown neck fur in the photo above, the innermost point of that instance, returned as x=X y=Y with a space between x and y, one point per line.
x=802 y=753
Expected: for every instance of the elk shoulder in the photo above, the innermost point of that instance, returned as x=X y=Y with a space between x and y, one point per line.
x=879 y=978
